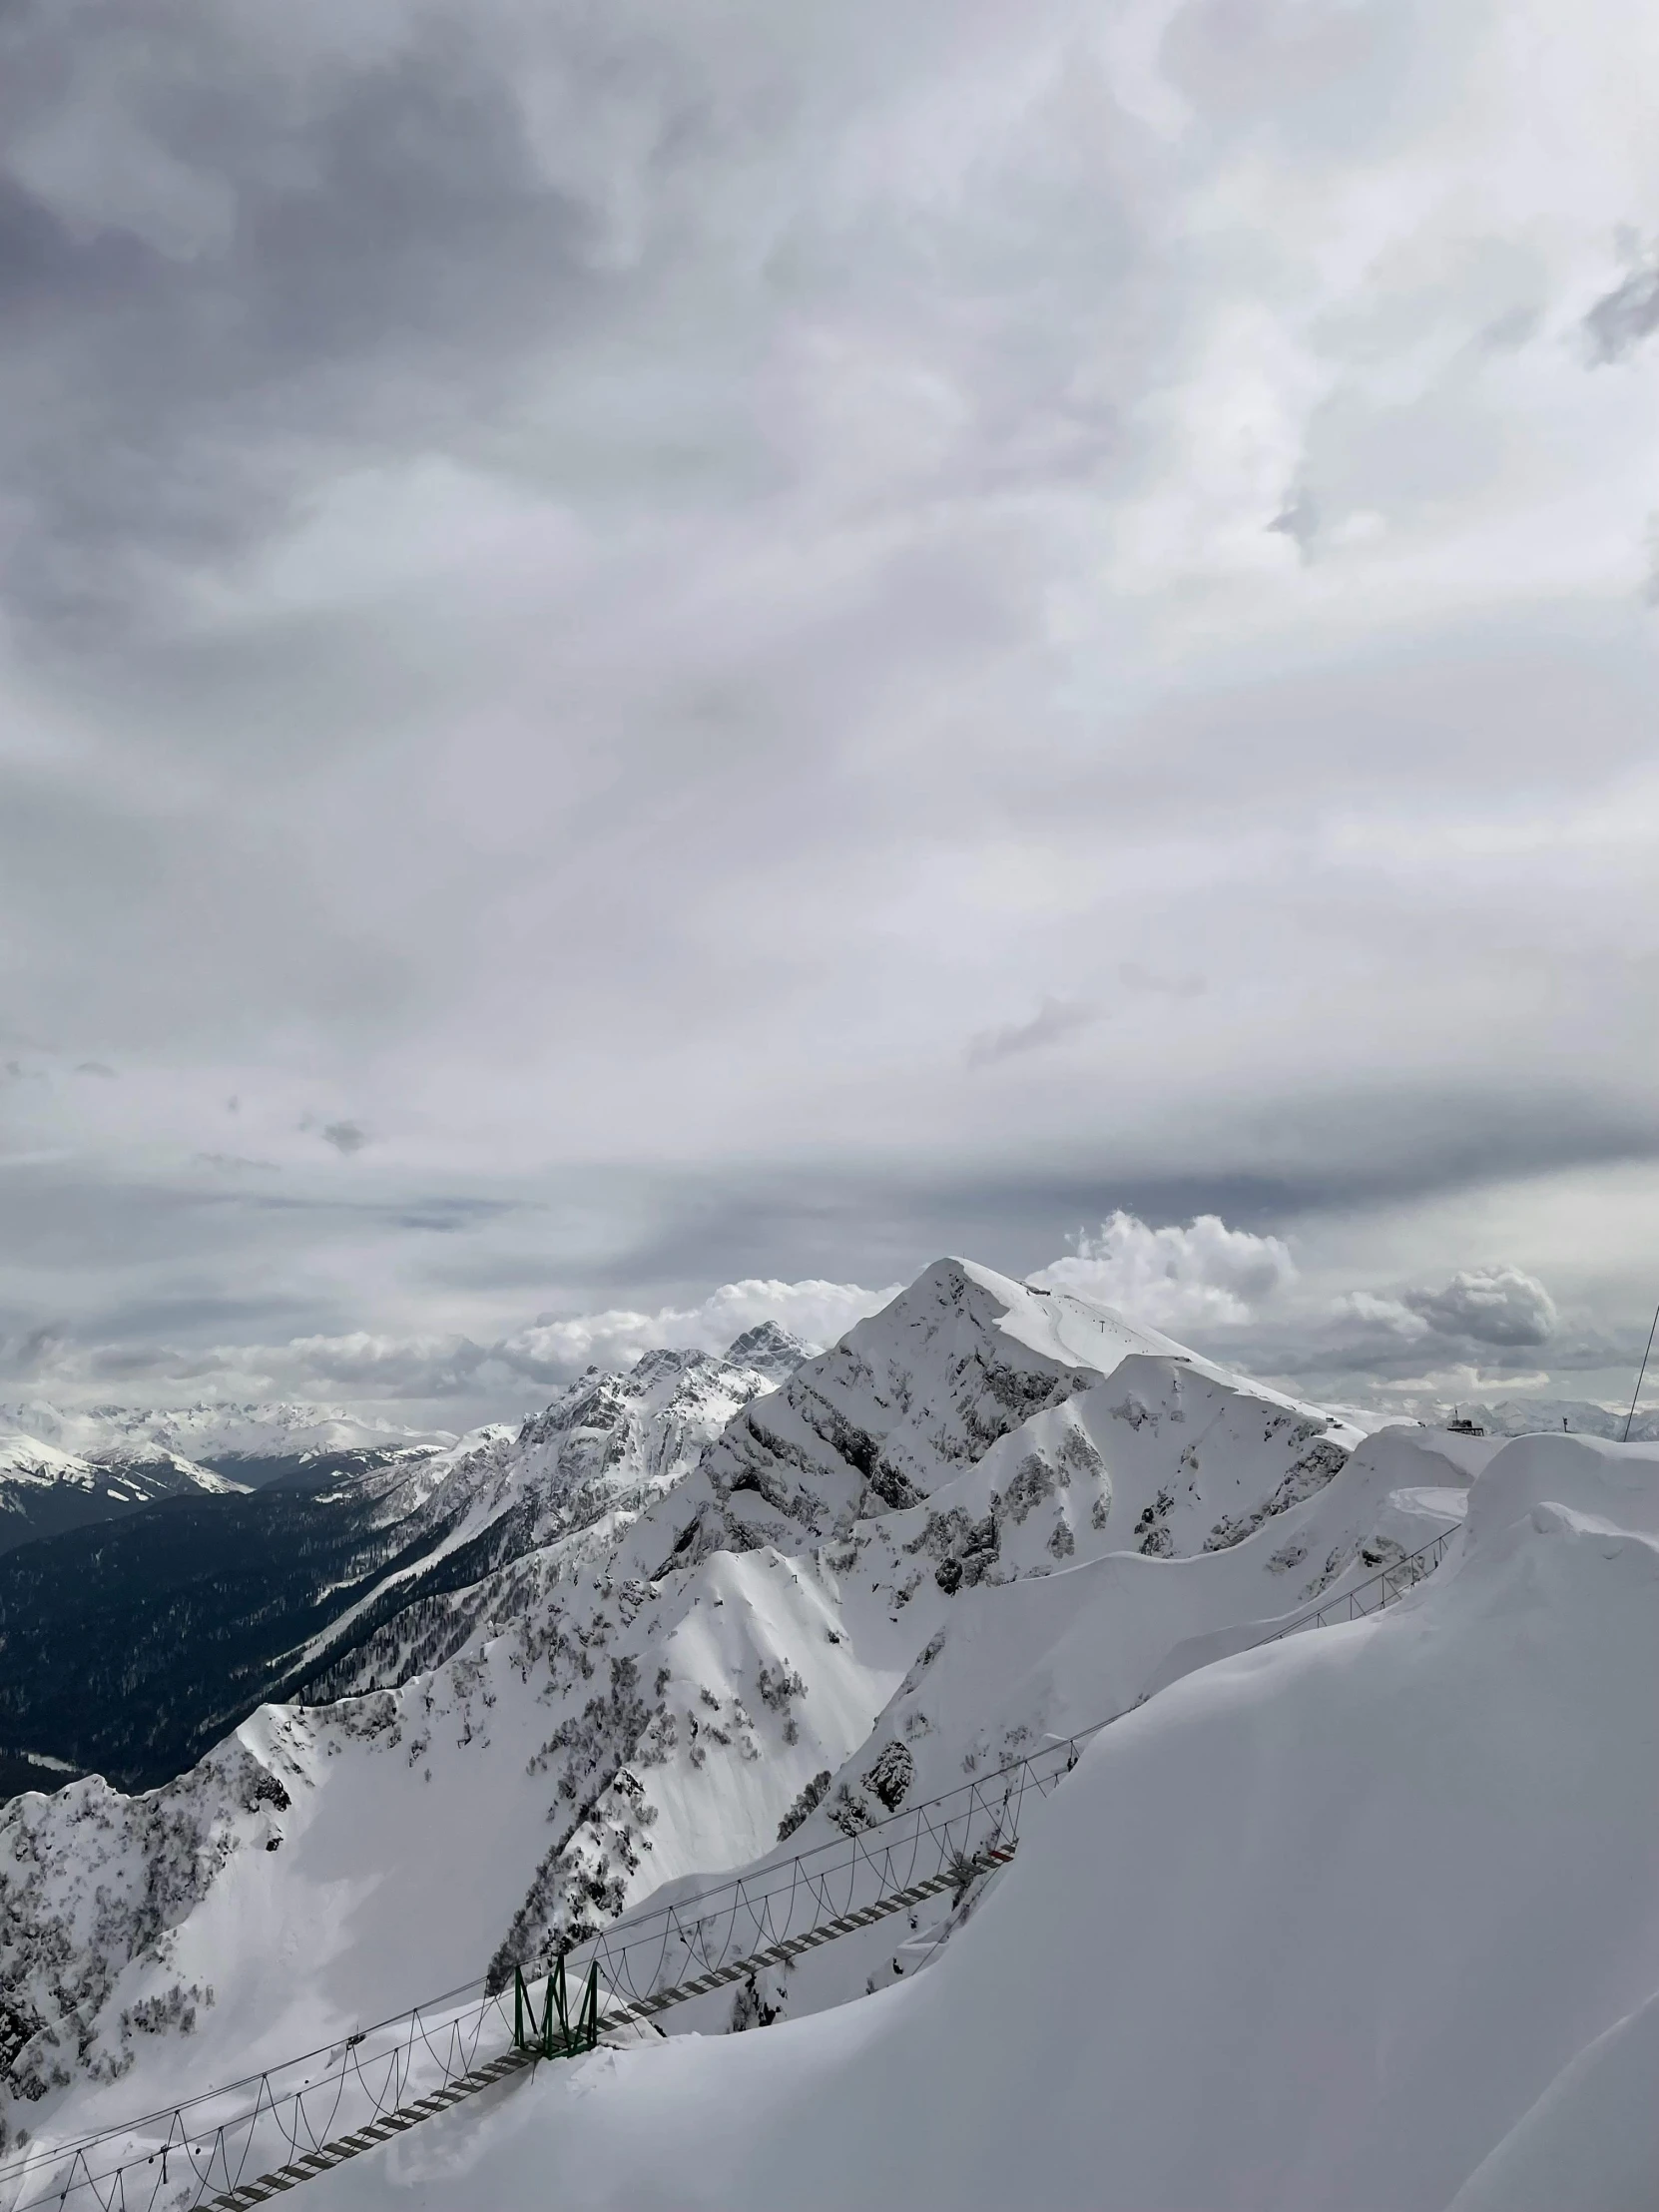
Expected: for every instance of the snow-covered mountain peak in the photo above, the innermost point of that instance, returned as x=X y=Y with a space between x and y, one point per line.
x=906 y=1400
x=1061 y=1324
x=770 y=1349
x=611 y=1439
x=26 y=1458
x=565 y=1488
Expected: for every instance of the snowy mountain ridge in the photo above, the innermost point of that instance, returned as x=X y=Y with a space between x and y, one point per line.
x=569 y=1482
x=744 y=1620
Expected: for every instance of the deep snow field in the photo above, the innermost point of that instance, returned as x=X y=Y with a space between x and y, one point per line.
x=1366 y=1917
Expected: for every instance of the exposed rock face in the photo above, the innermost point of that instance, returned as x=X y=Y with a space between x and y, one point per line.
x=771 y=1350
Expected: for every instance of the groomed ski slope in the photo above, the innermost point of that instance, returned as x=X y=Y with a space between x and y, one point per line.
x=1366 y=1920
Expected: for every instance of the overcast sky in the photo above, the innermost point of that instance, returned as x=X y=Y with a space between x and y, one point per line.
x=658 y=660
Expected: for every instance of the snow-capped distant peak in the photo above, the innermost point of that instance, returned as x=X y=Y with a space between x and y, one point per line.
x=210 y=1433
x=770 y=1349
x=158 y=1460
x=26 y=1458
x=46 y=1490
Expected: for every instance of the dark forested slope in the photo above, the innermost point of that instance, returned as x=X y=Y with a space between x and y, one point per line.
x=131 y=1647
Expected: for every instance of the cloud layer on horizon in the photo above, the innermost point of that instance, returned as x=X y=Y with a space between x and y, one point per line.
x=1228 y=1291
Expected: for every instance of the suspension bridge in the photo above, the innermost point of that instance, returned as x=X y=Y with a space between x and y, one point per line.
x=238 y=2145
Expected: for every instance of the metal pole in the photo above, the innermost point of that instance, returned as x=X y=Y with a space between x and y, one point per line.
x=1640 y=1372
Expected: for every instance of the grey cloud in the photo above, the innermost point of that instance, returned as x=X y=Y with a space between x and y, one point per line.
x=1299 y=520
x=601 y=584
x=1509 y=332
x=1352 y=1360
x=1308 y=741
x=79 y=1238
x=379 y=1367
x=212 y=908
x=365 y=242
x=1494 y=1322
x=1055 y=1019
x=345 y=1136
x=1493 y=1306
x=1618 y=322
x=1135 y=977
x=95 y=1067
x=30 y=1353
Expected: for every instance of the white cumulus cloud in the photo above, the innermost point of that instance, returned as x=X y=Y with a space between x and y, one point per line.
x=1501 y=1307
x=559 y=1347
x=1202 y=1275
x=1494 y=1305
x=367 y=1365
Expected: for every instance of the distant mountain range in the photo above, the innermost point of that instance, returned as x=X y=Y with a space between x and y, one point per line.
x=61 y=1470
x=45 y=1490
x=1580 y=1416
x=254 y=1443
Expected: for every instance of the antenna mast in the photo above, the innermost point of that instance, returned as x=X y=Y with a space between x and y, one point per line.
x=1640 y=1372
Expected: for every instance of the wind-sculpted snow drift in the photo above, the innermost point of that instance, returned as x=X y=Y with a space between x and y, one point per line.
x=989 y=1516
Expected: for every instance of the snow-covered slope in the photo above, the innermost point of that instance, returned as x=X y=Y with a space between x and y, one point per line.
x=1079 y=1503
x=1367 y=1919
